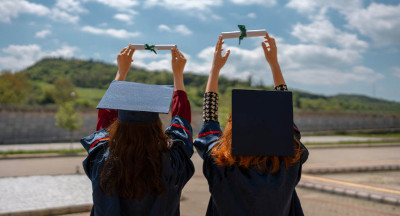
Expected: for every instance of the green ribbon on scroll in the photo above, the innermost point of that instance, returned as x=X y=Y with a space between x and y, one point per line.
x=150 y=47
x=242 y=28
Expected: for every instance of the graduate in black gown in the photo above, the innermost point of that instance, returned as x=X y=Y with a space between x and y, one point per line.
x=135 y=167
x=247 y=185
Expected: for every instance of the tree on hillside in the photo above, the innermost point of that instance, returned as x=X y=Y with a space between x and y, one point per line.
x=14 y=87
x=64 y=90
x=67 y=118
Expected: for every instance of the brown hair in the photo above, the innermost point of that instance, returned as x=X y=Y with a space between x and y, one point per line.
x=223 y=157
x=134 y=164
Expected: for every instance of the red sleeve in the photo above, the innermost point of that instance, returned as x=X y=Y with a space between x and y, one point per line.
x=105 y=118
x=181 y=105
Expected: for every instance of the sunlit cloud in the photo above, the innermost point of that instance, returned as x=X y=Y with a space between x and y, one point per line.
x=181 y=29
x=43 y=33
x=116 y=33
x=16 y=57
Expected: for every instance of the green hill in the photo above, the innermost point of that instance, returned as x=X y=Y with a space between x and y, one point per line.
x=92 y=78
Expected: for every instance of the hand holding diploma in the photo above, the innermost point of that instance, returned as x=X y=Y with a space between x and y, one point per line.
x=124 y=60
x=243 y=33
x=271 y=55
x=178 y=62
x=218 y=62
x=153 y=47
x=249 y=33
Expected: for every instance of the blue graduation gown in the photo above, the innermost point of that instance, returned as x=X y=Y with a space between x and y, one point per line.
x=239 y=191
x=177 y=170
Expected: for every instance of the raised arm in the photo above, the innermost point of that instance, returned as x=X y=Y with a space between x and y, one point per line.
x=210 y=101
x=272 y=59
x=218 y=62
x=105 y=117
x=211 y=131
x=180 y=102
x=178 y=64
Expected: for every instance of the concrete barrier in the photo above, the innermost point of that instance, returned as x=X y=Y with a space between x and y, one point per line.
x=38 y=125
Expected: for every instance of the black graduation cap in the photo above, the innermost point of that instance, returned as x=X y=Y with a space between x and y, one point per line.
x=262 y=123
x=137 y=103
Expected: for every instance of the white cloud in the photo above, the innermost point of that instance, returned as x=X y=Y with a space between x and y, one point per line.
x=63 y=10
x=184 y=4
x=303 y=6
x=64 y=51
x=182 y=29
x=43 y=33
x=163 y=27
x=116 y=33
x=251 y=15
x=333 y=77
x=196 y=8
x=316 y=56
x=313 y=6
x=67 y=11
x=124 y=17
x=379 y=22
x=250 y=2
x=255 y=65
x=62 y=16
x=396 y=71
x=120 y=5
x=21 y=56
x=71 y=6
x=322 y=31
x=300 y=63
x=151 y=61
x=13 y=8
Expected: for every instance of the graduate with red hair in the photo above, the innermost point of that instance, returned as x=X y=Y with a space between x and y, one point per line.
x=247 y=184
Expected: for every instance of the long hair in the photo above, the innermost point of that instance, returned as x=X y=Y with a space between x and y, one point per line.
x=134 y=164
x=222 y=155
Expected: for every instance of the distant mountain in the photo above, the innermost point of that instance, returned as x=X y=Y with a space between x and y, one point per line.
x=97 y=75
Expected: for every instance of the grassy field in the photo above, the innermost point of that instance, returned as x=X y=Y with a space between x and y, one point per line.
x=90 y=93
x=93 y=95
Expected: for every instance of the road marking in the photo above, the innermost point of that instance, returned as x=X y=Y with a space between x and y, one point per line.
x=359 y=208
x=332 y=181
x=381 y=162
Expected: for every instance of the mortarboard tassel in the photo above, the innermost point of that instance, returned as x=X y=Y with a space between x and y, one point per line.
x=150 y=47
x=242 y=28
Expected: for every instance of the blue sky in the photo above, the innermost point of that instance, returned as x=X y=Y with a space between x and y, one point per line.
x=324 y=47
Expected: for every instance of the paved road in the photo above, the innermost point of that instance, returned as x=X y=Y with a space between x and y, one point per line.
x=317 y=204
x=41 y=166
x=318 y=158
x=77 y=145
x=195 y=194
x=368 y=155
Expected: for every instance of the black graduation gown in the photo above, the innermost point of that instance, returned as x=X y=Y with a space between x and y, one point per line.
x=238 y=191
x=177 y=170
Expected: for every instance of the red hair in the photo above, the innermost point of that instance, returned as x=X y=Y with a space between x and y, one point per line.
x=223 y=156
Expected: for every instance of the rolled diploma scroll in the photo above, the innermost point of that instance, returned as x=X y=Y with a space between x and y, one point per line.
x=156 y=47
x=250 y=33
